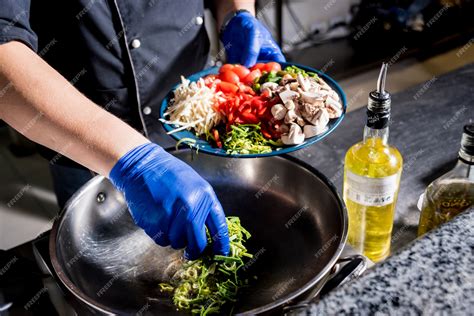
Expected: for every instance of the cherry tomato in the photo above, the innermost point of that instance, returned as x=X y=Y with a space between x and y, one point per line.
x=228 y=87
x=241 y=71
x=230 y=76
x=226 y=67
x=259 y=66
x=251 y=76
x=272 y=66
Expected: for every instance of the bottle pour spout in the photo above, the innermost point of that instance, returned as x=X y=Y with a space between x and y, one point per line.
x=381 y=79
x=379 y=99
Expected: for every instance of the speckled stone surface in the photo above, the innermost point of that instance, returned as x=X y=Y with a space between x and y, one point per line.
x=432 y=276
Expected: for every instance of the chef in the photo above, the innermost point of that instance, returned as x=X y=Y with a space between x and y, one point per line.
x=85 y=78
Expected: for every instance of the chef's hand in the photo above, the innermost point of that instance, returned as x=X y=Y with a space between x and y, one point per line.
x=170 y=201
x=246 y=40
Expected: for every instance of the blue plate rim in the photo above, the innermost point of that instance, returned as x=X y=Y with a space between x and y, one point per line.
x=284 y=150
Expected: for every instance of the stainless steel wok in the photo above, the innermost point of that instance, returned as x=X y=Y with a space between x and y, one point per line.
x=297 y=220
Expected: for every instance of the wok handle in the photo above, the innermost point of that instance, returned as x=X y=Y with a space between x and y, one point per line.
x=346 y=269
x=355 y=266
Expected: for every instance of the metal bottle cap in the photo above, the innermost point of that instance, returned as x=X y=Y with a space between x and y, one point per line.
x=467 y=142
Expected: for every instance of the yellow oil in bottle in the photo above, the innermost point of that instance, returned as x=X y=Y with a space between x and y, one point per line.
x=371 y=210
x=372 y=171
x=453 y=192
x=444 y=200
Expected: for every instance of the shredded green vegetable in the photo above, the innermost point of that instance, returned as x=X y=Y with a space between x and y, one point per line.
x=205 y=285
x=185 y=140
x=248 y=139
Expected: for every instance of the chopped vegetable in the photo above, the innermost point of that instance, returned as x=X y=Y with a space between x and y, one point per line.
x=226 y=67
x=248 y=139
x=250 y=78
x=229 y=76
x=294 y=70
x=272 y=76
x=227 y=87
x=204 y=286
x=256 y=110
x=192 y=107
x=259 y=66
x=241 y=71
x=185 y=140
x=272 y=66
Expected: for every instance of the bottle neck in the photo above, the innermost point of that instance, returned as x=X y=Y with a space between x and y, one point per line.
x=372 y=134
x=465 y=158
x=465 y=166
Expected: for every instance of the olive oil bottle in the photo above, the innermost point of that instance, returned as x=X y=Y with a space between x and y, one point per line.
x=372 y=171
x=453 y=192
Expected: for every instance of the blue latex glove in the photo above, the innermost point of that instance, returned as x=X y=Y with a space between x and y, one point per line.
x=246 y=40
x=170 y=201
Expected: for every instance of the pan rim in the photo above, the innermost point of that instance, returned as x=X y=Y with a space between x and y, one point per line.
x=61 y=274
x=57 y=267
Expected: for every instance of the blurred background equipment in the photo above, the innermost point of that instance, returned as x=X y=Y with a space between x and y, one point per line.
x=358 y=35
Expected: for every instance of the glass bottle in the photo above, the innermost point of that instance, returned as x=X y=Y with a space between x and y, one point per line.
x=453 y=192
x=372 y=172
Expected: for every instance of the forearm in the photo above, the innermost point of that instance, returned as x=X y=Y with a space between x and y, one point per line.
x=224 y=7
x=42 y=105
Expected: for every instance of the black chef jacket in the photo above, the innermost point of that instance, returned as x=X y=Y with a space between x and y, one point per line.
x=125 y=55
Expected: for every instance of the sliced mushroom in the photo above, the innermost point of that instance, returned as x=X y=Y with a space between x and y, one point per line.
x=287 y=77
x=295 y=136
x=304 y=84
x=284 y=129
x=278 y=111
x=294 y=86
x=290 y=116
x=290 y=105
x=287 y=80
x=288 y=95
x=309 y=110
x=299 y=119
x=334 y=103
x=269 y=85
x=333 y=110
x=326 y=88
x=314 y=85
x=310 y=97
x=320 y=118
x=325 y=93
x=313 y=130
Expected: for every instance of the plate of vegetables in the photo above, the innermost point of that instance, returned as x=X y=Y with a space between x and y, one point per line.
x=269 y=109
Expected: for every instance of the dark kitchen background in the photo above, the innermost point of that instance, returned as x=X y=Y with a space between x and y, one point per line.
x=348 y=40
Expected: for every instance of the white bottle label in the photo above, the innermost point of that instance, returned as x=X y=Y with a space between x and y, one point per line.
x=371 y=191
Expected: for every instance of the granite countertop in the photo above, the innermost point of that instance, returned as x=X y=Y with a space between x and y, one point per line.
x=435 y=273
